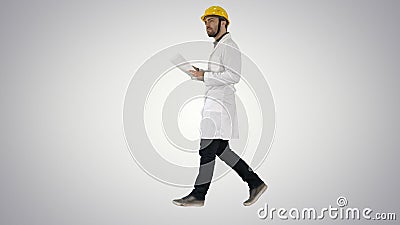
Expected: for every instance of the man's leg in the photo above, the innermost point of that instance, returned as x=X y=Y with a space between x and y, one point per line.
x=239 y=165
x=208 y=149
x=256 y=186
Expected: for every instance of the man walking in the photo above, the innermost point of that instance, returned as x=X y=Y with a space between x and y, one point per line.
x=219 y=123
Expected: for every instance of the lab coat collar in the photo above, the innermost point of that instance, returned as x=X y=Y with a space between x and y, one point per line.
x=216 y=41
x=223 y=39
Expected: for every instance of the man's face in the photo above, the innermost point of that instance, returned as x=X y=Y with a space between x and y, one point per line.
x=211 y=23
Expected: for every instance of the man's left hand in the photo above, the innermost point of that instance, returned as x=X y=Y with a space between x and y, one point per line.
x=198 y=74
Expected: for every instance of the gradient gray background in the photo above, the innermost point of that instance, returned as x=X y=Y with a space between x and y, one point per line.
x=333 y=67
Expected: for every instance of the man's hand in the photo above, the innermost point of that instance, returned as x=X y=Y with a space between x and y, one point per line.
x=199 y=74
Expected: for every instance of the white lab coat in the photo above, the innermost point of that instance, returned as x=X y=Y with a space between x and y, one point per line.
x=219 y=116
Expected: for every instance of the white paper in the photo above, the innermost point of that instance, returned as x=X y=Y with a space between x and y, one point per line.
x=183 y=65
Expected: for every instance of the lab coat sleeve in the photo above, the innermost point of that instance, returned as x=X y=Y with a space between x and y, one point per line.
x=231 y=61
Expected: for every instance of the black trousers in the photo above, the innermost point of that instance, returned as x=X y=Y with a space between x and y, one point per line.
x=209 y=148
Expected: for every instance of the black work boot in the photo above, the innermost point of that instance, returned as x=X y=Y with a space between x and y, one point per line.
x=255 y=194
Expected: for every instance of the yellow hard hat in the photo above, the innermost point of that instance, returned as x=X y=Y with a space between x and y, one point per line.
x=215 y=11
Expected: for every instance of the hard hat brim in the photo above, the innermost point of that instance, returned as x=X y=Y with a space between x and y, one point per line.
x=203 y=17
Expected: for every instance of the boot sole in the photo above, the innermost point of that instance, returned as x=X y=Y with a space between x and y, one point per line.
x=188 y=204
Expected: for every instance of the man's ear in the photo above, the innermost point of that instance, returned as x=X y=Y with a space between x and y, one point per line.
x=223 y=23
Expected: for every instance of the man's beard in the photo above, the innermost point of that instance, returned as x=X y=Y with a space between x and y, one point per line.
x=212 y=33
